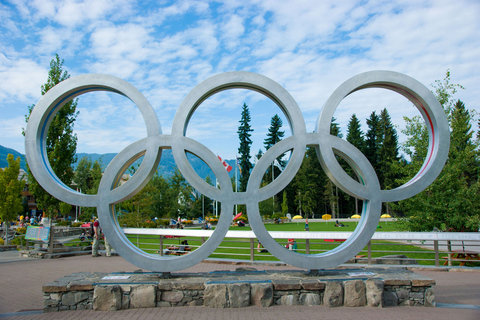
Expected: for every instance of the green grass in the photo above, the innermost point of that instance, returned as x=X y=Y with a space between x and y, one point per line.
x=322 y=226
x=237 y=248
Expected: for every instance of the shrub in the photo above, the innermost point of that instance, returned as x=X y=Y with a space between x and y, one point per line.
x=187 y=222
x=149 y=224
x=21 y=230
x=63 y=223
x=76 y=224
x=277 y=215
x=85 y=217
x=17 y=241
x=2 y=242
x=163 y=222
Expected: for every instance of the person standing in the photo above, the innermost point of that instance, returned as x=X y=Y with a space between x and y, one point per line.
x=97 y=236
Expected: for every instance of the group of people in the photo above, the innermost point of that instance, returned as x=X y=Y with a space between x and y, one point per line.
x=23 y=221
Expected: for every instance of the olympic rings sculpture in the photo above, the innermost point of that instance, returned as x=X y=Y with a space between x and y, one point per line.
x=327 y=146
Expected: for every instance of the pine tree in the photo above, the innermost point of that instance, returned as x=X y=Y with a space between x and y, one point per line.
x=452 y=201
x=355 y=137
x=274 y=136
x=244 y=149
x=388 y=152
x=61 y=142
x=330 y=190
x=373 y=140
x=355 y=134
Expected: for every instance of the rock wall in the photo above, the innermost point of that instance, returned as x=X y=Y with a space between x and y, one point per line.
x=333 y=288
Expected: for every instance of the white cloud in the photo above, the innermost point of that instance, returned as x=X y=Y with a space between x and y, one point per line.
x=21 y=79
x=310 y=47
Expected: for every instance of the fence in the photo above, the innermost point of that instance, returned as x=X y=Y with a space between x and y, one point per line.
x=427 y=248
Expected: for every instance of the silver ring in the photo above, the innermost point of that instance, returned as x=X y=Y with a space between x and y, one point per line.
x=150 y=148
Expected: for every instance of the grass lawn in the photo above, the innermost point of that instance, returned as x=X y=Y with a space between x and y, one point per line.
x=237 y=248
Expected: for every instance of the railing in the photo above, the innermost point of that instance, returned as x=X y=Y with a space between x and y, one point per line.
x=427 y=248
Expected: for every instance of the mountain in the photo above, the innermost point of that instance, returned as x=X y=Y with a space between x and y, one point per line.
x=4 y=151
x=166 y=167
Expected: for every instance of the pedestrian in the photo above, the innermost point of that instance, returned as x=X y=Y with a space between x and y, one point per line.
x=96 y=240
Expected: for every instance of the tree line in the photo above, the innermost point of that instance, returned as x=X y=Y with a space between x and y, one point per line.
x=451 y=203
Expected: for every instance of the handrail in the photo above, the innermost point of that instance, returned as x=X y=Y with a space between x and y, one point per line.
x=416 y=236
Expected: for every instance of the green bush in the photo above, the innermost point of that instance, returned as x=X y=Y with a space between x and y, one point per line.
x=163 y=222
x=85 y=217
x=21 y=230
x=16 y=241
x=76 y=224
x=277 y=215
x=2 y=242
x=149 y=224
x=63 y=223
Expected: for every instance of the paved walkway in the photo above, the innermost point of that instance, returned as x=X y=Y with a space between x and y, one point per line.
x=21 y=297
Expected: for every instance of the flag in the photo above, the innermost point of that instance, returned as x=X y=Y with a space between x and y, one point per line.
x=225 y=164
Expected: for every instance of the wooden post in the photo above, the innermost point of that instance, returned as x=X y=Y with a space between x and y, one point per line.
x=437 y=258
x=161 y=245
x=50 y=241
x=252 y=251
x=307 y=246
x=369 y=245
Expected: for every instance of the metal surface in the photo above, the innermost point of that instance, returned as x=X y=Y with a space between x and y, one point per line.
x=150 y=147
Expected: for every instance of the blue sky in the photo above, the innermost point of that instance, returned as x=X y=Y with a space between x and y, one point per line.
x=165 y=48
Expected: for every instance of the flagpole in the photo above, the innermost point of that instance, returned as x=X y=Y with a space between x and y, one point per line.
x=236 y=183
x=216 y=201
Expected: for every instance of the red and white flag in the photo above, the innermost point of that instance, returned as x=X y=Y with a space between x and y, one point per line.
x=225 y=164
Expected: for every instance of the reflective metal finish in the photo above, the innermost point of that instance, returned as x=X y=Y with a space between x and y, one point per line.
x=327 y=147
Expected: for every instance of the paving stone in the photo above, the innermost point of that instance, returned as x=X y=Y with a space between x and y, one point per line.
x=80 y=285
x=143 y=296
x=312 y=285
x=238 y=295
x=261 y=294
x=309 y=299
x=289 y=300
x=354 y=291
x=73 y=298
x=107 y=298
x=430 y=298
x=374 y=292
x=284 y=285
x=188 y=285
x=215 y=296
x=172 y=296
x=163 y=304
x=55 y=287
x=390 y=299
x=333 y=296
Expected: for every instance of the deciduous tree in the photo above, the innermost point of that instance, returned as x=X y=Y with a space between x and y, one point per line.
x=10 y=191
x=61 y=142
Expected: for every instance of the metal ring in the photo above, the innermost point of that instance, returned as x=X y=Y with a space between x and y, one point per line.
x=150 y=148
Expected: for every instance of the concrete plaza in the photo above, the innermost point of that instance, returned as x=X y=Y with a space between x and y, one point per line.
x=457 y=294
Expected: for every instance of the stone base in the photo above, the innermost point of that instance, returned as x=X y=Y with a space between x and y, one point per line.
x=374 y=287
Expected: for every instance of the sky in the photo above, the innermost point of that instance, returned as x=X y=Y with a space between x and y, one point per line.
x=166 y=48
